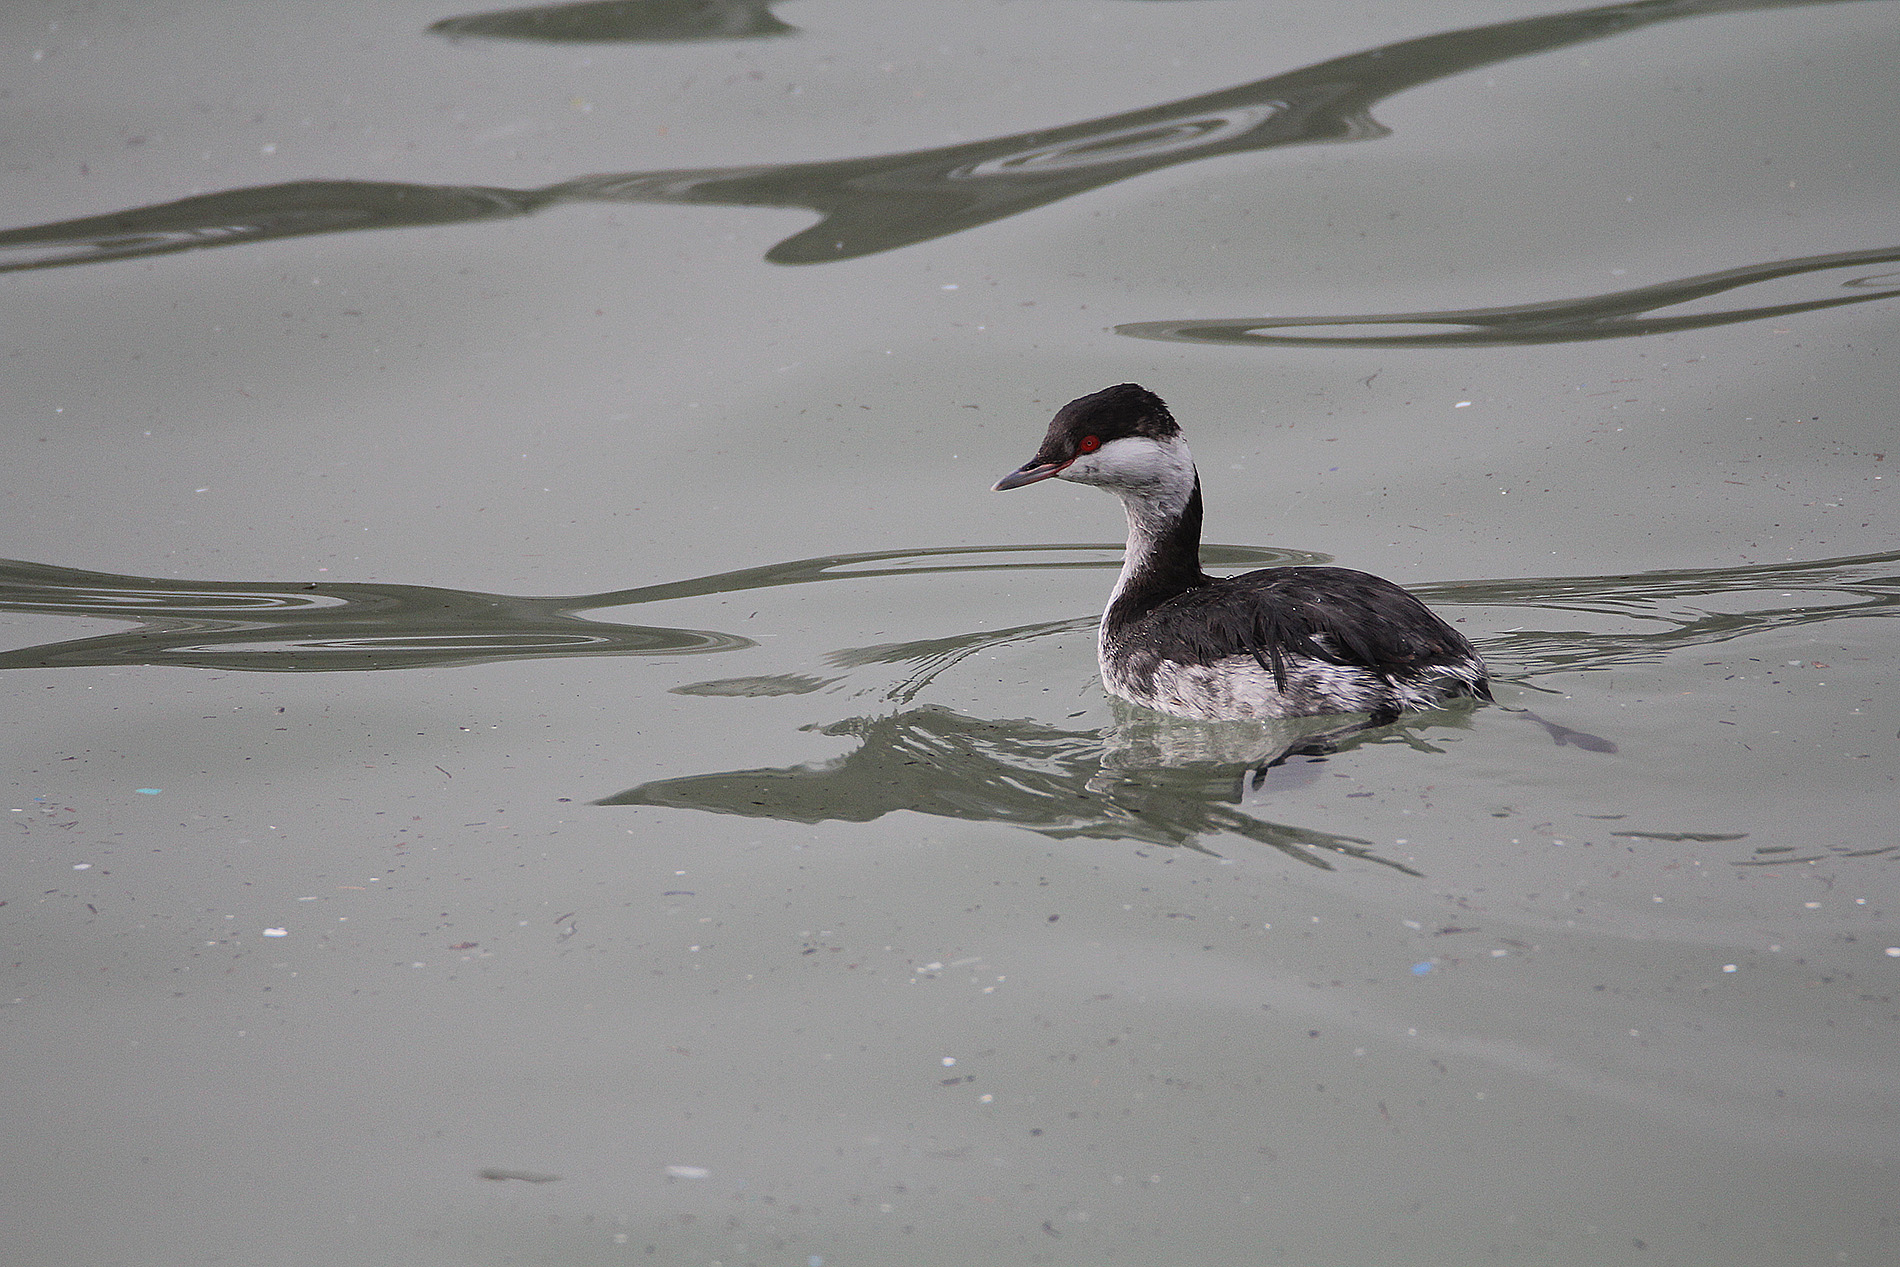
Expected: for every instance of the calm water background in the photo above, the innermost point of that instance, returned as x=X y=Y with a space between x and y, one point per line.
x=783 y=889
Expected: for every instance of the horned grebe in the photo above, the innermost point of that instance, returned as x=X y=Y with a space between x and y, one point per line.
x=1280 y=642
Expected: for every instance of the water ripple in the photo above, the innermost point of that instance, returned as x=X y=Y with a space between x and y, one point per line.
x=882 y=202
x=328 y=625
x=1659 y=613
x=1617 y=315
x=316 y=627
x=1122 y=783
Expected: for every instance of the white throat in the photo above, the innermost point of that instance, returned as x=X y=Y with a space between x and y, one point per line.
x=1154 y=479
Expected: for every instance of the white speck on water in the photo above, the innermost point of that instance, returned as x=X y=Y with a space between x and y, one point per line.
x=277 y=932
x=687 y=1172
x=949 y=1061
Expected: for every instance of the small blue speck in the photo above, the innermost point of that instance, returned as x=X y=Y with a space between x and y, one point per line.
x=816 y=1260
x=150 y=791
x=1420 y=969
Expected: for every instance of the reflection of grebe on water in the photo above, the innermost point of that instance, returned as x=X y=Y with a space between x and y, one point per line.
x=1054 y=781
x=1251 y=760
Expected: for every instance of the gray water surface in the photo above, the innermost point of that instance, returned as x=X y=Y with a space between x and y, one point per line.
x=530 y=742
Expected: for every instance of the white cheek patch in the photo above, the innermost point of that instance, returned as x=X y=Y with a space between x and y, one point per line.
x=1155 y=471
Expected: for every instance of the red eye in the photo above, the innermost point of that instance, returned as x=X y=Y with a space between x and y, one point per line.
x=1089 y=444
